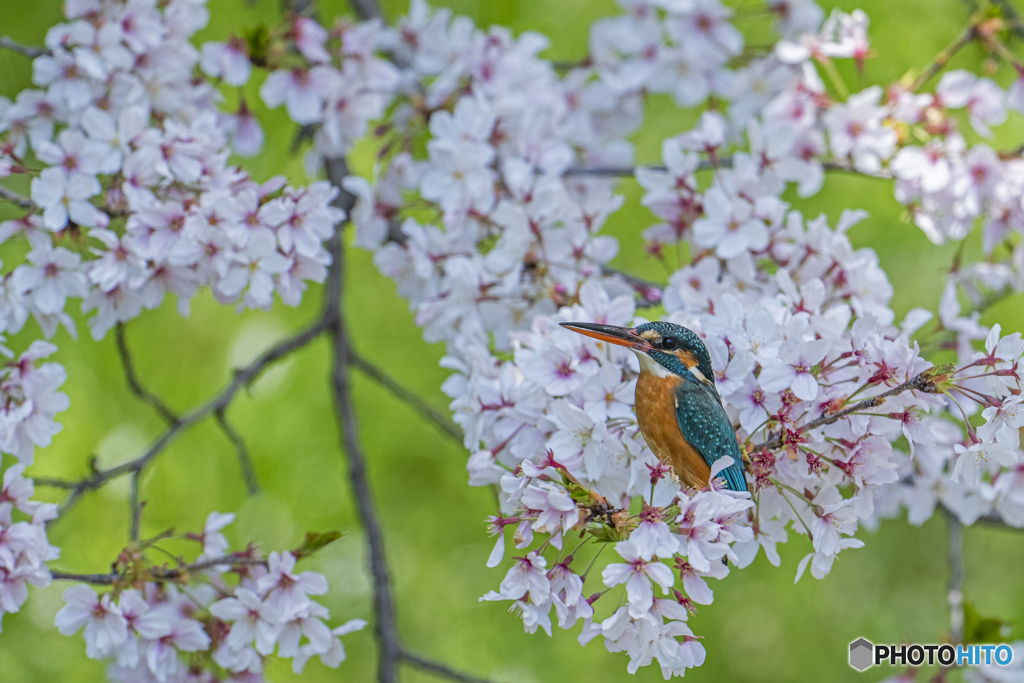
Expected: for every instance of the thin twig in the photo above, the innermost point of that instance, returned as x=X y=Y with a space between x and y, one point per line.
x=406 y=396
x=135 y=505
x=649 y=292
x=724 y=162
x=161 y=573
x=918 y=383
x=439 y=669
x=941 y=59
x=56 y=483
x=144 y=395
x=385 y=628
x=15 y=198
x=1011 y=16
x=248 y=472
x=30 y=52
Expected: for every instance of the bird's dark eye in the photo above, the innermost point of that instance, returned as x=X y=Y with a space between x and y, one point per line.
x=669 y=343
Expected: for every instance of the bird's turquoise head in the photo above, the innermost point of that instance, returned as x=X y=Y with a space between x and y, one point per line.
x=672 y=348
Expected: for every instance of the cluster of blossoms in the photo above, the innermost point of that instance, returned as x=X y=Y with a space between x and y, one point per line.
x=492 y=231
x=31 y=399
x=133 y=198
x=24 y=550
x=797 y=322
x=185 y=628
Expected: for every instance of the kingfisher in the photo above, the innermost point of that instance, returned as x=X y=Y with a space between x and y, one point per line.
x=677 y=405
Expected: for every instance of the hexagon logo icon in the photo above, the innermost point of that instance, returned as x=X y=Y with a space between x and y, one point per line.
x=861 y=654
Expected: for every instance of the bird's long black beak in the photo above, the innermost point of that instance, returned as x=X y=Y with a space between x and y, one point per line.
x=621 y=336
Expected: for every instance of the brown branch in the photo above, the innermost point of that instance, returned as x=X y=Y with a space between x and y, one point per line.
x=144 y=395
x=406 y=396
x=921 y=382
x=30 y=52
x=248 y=472
x=15 y=198
x=438 y=669
x=385 y=628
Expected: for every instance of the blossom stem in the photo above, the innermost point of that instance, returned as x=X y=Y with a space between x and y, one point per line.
x=586 y=571
x=833 y=75
x=795 y=493
x=972 y=394
x=921 y=382
x=970 y=429
x=793 y=508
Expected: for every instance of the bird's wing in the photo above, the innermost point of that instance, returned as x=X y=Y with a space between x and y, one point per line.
x=704 y=423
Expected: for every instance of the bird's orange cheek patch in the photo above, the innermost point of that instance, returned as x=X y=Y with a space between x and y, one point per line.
x=687 y=358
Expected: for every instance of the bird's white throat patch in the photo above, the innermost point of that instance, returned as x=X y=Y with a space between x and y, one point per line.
x=652 y=367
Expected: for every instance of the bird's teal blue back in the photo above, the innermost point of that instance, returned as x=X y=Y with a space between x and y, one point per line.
x=705 y=424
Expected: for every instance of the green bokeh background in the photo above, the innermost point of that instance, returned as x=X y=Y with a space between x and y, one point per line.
x=760 y=628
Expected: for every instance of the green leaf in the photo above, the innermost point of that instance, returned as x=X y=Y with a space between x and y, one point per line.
x=258 y=41
x=979 y=629
x=316 y=540
x=605 y=534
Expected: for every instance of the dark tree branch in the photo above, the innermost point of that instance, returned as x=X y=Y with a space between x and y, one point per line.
x=243 y=377
x=406 y=396
x=366 y=9
x=385 y=628
x=439 y=669
x=922 y=382
x=15 y=198
x=248 y=472
x=30 y=52
x=133 y=381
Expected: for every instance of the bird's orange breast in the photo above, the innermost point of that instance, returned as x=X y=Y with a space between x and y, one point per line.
x=656 y=414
